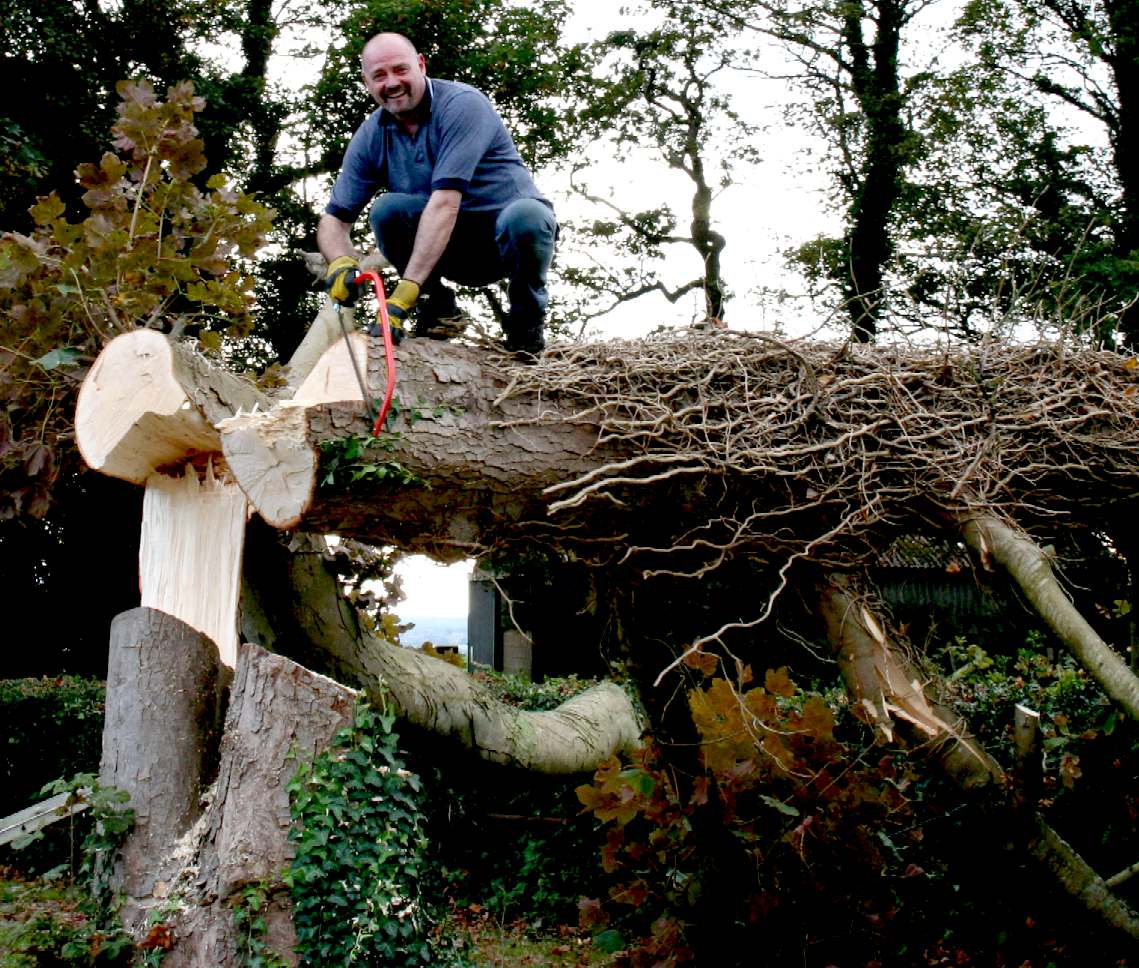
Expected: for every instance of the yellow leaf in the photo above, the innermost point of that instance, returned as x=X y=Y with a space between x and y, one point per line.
x=777 y=681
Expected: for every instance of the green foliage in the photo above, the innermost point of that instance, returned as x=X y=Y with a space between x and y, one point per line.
x=81 y=927
x=1075 y=713
x=507 y=845
x=43 y=923
x=350 y=460
x=359 y=851
x=516 y=690
x=52 y=727
x=155 y=250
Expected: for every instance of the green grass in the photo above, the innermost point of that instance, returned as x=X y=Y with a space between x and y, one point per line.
x=42 y=923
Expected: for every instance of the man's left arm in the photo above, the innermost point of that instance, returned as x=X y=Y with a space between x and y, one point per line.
x=435 y=227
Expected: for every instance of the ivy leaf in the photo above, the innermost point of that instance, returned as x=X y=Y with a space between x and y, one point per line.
x=784 y=808
x=62 y=356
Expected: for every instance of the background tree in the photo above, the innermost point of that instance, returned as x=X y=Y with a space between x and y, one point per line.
x=849 y=61
x=1084 y=59
x=660 y=91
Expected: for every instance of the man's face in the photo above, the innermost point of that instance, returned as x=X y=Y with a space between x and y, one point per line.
x=394 y=74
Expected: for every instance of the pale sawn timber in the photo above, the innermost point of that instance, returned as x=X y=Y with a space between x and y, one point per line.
x=150 y=402
x=193 y=529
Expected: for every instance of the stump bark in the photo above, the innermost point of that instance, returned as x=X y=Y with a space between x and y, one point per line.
x=212 y=805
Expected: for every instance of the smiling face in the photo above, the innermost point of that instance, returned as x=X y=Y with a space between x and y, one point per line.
x=394 y=74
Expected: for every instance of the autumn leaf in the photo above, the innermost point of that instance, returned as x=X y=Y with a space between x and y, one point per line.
x=633 y=894
x=705 y=662
x=817 y=720
x=778 y=681
x=590 y=913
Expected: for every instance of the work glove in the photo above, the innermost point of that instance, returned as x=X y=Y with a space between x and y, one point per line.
x=399 y=304
x=340 y=280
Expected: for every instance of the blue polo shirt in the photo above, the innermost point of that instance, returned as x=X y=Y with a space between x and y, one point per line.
x=463 y=145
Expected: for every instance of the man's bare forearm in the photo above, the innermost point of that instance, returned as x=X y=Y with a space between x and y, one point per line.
x=332 y=238
x=435 y=227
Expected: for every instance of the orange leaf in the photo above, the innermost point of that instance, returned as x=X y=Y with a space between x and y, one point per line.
x=818 y=720
x=779 y=682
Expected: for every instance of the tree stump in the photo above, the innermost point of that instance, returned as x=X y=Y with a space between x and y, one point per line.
x=181 y=865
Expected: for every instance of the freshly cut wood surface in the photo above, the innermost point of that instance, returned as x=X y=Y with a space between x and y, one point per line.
x=190 y=553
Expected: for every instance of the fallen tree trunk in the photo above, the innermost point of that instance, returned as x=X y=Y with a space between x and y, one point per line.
x=471 y=463
x=755 y=449
x=193 y=533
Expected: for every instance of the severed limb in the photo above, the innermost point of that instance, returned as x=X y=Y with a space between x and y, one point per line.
x=884 y=685
x=297 y=594
x=887 y=689
x=994 y=541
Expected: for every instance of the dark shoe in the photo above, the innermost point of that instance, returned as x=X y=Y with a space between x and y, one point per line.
x=442 y=329
x=529 y=341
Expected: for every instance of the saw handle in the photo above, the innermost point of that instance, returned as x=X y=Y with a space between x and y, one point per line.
x=389 y=345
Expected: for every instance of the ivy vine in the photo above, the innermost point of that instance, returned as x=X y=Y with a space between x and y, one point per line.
x=358 y=457
x=359 y=837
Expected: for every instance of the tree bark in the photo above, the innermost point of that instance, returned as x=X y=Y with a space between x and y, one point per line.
x=280 y=715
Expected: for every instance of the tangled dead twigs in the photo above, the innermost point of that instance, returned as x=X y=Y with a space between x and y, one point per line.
x=797 y=448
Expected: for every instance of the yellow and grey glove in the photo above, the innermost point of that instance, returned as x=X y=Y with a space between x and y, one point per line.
x=399 y=304
x=340 y=280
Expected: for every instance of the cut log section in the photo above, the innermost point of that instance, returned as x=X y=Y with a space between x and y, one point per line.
x=150 y=402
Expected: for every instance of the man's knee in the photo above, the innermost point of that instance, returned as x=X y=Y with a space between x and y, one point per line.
x=394 y=219
x=527 y=222
x=392 y=207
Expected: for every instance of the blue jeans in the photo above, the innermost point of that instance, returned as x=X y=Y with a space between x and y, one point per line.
x=515 y=243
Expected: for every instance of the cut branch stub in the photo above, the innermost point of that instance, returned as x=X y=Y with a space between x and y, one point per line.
x=149 y=402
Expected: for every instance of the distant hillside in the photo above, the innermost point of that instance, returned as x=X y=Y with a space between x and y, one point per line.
x=436 y=630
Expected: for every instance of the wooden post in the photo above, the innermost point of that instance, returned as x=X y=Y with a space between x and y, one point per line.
x=1027 y=779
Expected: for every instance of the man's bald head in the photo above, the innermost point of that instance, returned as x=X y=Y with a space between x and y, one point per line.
x=388 y=40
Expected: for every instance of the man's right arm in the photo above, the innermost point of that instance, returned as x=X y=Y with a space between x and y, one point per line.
x=333 y=239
